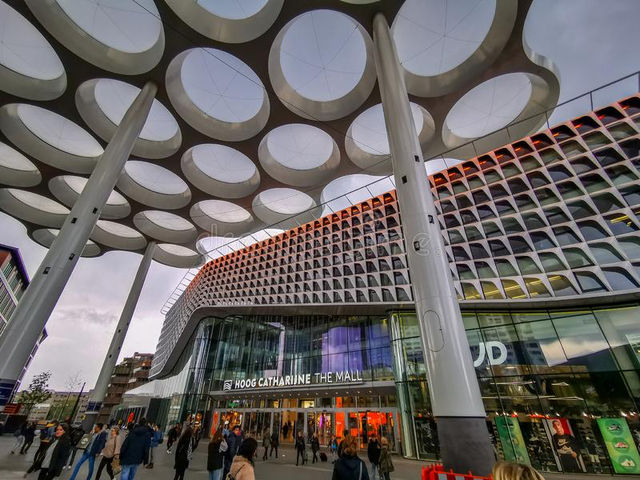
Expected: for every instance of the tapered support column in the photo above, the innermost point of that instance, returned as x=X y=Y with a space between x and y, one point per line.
x=453 y=386
x=41 y=296
x=100 y=390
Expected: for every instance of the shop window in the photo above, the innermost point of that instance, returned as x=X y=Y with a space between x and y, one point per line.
x=505 y=268
x=619 y=279
x=536 y=287
x=491 y=291
x=606 y=202
x=631 y=247
x=592 y=231
x=484 y=270
x=589 y=282
x=542 y=347
x=470 y=292
x=519 y=245
x=576 y=258
x=527 y=265
x=605 y=253
x=583 y=342
x=465 y=272
x=622 y=329
x=513 y=289
x=561 y=285
x=498 y=248
x=580 y=210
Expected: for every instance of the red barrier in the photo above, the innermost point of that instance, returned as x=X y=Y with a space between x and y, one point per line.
x=436 y=471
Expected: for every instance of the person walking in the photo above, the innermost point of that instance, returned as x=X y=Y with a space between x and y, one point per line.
x=233 y=444
x=56 y=453
x=75 y=436
x=29 y=435
x=343 y=443
x=183 y=453
x=315 y=446
x=95 y=446
x=373 y=452
x=156 y=439
x=333 y=448
x=242 y=467
x=42 y=448
x=385 y=465
x=134 y=450
x=20 y=434
x=215 y=455
x=349 y=466
x=110 y=452
x=275 y=442
x=172 y=436
x=300 y=447
x=285 y=430
x=266 y=443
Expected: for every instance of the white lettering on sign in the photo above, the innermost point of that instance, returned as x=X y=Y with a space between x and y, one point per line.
x=488 y=351
x=347 y=376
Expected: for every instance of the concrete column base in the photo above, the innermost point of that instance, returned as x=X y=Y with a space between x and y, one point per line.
x=465 y=445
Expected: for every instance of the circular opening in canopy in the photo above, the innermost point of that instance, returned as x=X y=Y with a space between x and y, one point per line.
x=16 y=169
x=220 y=170
x=165 y=226
x=67 y=189
x=153 y=185
x=33 y=208
x=46 y=237
x=298 y=154
x=278 y=204
x=219 y=217
x=118 y=236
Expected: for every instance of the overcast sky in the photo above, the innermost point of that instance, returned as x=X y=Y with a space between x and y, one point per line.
x=590 y=41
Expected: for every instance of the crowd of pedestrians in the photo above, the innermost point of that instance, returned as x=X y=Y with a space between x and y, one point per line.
x=230 y=456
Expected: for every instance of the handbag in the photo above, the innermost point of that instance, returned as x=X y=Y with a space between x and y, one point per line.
x=115 y=466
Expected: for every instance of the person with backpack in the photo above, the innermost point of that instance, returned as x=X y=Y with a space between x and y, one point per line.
x=215 y=455
x=385 y=465
x=110 y=452
x=275 y=442
x=75 y=437
x=315 y=446
x=183 y=453
x=373 y=452
x=94 y=448
x=134 y=450
x=349 y=466
x=300 y=448
x=242 y=467
x=233 y=444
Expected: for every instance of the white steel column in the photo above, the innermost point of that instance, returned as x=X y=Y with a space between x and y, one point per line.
x=453 y=387
x=40 y=298
x=104 y=378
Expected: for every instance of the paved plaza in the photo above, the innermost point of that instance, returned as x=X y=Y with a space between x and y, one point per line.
x=12 y=467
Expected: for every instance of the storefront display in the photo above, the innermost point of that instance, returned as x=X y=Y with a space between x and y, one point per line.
x=513 y=446
x=622 y=450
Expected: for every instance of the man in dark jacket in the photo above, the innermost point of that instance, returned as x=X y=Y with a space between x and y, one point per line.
x=172 y=436
x=94 y=448
x=134 y=450
x=56 y=454
x=29 y=435
x=233 y=443
x=373 y=452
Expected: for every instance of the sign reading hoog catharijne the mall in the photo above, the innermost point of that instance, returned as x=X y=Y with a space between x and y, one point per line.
x=347 y=376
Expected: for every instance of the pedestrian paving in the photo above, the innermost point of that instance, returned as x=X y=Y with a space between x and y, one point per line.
x=12 y=467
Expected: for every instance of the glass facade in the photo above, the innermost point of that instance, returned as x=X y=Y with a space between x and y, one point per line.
x=539 y=371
